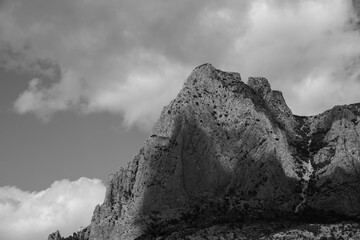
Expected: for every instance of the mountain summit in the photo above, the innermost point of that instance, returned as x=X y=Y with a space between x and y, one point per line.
x=227 y=152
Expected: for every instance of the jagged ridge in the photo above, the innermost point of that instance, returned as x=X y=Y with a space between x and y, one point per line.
x=225 y=151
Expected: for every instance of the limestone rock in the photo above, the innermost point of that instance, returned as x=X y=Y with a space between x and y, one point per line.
x=335 y=148
x=79 y=235
x=279 y=230
x=55 y=236
x=220 y=147
x=224 y=151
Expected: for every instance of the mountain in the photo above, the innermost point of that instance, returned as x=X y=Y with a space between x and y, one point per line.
x=226 y=152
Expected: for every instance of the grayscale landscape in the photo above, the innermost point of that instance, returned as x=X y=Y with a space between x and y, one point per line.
x=180 y=120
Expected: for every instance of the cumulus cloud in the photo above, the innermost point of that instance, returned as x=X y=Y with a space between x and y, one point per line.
x=310 y=50
x=64 y=205
x=131 y=57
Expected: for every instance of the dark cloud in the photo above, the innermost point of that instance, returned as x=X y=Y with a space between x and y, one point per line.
x=20 y=61
x=356 y=4
x=116 y=55
x=2 y=3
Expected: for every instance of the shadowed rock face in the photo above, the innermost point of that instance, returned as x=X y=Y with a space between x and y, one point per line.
x=80 y=235
x=224 y=151
x=55 y=236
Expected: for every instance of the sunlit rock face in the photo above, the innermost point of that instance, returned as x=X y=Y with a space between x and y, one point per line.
x=221 y=146
x=335 y=156
x=225 y=151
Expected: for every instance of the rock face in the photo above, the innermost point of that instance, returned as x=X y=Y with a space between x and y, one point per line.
x=334 y=151
x=80 y=235
x=224 y=151
x=55 y=236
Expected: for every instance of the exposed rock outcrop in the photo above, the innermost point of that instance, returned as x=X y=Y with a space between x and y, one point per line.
x=220 y=147
x=82 y=234
x=335 y=155
x=224 y=151
x=55 y=236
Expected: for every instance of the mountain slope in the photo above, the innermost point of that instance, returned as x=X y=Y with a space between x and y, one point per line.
x=223 y=152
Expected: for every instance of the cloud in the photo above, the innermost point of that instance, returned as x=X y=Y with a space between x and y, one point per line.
x=20 y=61
x=64 y=205
x=307 y=49
x=131 y=57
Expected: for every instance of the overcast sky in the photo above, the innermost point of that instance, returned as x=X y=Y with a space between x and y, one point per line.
x=83 y=81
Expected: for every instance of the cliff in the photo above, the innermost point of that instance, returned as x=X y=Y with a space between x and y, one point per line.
x=226 y=152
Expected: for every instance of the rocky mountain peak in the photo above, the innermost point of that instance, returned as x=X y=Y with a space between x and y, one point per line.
x=207 y=77
x=224 y=151
x=55 y=236
x=260 y=85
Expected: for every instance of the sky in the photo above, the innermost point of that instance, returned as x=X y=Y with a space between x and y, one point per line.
x=83 y=81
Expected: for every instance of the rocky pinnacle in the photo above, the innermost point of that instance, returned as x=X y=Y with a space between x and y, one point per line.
x=224 y=151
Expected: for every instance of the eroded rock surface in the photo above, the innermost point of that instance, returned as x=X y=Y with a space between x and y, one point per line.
x=55 y=236
x=79 y=235
x=224 y=151
x=271 y=231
